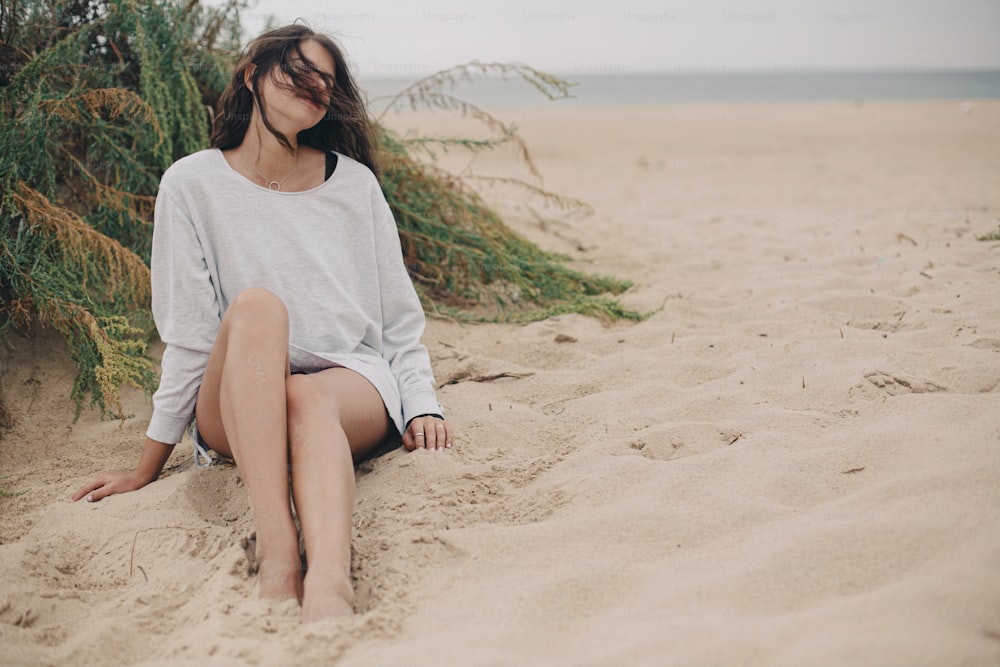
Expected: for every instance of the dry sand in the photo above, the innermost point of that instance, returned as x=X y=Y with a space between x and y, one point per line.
x=795 y=462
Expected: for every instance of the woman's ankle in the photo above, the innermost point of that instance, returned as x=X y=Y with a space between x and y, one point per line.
x=327 y=592
x=279 y=564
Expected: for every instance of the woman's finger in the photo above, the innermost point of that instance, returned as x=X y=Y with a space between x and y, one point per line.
x=426 y=435
x=97 y=494
x=419 y=437
x=442 y=434
x=87 y=488
x=408 y=442
x=449 y=438
x=429 y=436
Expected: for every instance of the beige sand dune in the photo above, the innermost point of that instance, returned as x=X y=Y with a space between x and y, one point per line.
x=796 y=461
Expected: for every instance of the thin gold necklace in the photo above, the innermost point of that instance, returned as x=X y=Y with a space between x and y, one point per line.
x=275 y=186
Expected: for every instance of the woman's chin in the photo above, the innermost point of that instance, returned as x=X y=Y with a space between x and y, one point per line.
x=302 y=122
x=314 y=114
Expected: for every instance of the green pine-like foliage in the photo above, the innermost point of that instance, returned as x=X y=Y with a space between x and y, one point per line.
x=99 y=97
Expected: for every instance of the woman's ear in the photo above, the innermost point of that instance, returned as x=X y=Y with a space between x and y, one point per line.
x=248 y=77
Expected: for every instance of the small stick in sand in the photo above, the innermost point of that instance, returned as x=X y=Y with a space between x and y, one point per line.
x=463 y=377
x=131 y=555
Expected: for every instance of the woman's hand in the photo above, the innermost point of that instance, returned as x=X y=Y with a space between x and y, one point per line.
x=154 y=455
x=110 y=483
x=428 y=433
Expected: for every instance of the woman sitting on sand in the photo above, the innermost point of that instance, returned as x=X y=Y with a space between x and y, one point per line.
x=292 y=329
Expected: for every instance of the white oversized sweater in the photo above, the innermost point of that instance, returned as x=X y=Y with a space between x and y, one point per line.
x=331 y=253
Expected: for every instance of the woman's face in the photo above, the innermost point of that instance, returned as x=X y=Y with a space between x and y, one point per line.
x=291 y=113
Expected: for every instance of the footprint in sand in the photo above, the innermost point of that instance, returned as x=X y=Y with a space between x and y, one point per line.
x=986 y=344
x=20 y=614
x=896 y=384
x=666 y=443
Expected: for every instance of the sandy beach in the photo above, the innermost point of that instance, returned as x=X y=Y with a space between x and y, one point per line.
x=795 y=460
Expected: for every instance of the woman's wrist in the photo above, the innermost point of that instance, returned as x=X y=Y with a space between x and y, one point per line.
x=151 y=462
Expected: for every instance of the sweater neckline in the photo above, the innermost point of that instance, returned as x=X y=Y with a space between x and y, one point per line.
x=229 y=168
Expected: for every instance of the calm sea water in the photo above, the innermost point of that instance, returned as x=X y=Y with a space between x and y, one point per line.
x=653 y=89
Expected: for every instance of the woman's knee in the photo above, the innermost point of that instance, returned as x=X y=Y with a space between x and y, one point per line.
x=303 y=400
x=256 y=306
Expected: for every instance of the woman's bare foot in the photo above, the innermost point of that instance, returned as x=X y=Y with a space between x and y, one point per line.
x=279 y=579
x=326 y=594
x=279 y=565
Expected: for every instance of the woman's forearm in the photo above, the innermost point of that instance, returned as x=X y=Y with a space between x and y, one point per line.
x=154 y=456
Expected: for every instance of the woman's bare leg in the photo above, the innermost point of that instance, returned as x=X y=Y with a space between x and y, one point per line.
x=241 y=413
x=334 y=416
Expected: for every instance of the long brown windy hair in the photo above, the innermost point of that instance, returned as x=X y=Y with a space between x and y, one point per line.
x=345 y=128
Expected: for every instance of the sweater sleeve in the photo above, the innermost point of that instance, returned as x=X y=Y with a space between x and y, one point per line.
x=402 y=319
x=186 y=313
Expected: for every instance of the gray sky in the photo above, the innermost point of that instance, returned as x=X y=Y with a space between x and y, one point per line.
x=396 y=38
